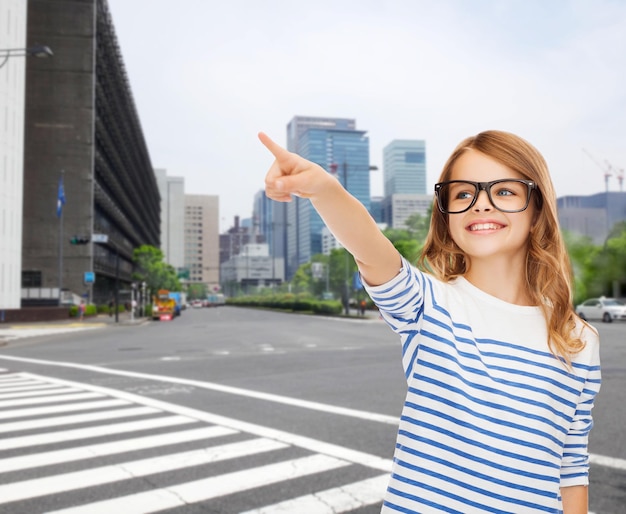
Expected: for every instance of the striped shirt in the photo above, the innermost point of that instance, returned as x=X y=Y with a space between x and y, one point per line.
x=492 y=421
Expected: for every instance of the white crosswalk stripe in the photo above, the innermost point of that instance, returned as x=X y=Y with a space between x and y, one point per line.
x=66 y=440
x=201 y=490
x=331 y=501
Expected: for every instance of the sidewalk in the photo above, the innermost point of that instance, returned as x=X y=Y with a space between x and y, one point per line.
x=13 y=331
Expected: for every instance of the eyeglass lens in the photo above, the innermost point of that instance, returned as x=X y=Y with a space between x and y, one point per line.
x=507 y=196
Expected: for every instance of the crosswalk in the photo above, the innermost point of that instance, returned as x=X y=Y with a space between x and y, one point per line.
x=68 y=447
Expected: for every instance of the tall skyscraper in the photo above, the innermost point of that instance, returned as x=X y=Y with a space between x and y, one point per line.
x=404 y=167
x=404 y=176
x=336 y=145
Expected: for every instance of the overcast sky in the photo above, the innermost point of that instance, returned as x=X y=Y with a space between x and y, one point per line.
x=208 y=75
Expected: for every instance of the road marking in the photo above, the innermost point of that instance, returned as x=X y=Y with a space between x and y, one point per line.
x=205 y=489
x=40 y=411
x=597 y=459
x=65 y=482
x=49 y=399
x=98 y=431
x=104 y=449
x=248 y=393
x=12 y=379
x=332 y=501
x=76 y=419
x=314 y=445
x=609 y=462
x=39 y=391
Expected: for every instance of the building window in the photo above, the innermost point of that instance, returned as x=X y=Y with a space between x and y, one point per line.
x=414 y=157
x=31 y=278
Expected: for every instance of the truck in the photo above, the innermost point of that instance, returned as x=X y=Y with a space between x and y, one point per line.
x=163 y=307
x=214 y=300
x=180 y=299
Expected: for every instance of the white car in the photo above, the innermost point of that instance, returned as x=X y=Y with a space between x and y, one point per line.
x=605 y=309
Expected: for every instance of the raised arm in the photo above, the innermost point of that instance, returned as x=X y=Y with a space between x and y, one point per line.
x=344 y=215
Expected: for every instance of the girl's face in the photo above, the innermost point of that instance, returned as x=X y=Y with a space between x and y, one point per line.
x=483 y=231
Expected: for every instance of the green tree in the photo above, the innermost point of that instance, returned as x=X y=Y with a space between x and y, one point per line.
x=410 y=241
x=153 y=270
x=614 y=260
x=301 y=280
x=583 y=255
x=196 y=291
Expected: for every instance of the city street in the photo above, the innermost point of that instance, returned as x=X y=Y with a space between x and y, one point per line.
x=228 y=410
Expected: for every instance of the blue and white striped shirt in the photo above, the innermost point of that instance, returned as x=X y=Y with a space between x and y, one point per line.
x=492 y=421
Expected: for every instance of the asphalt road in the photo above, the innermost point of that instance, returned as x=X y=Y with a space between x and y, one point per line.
x=304 y=407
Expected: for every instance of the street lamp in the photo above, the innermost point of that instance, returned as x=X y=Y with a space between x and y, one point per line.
x=35 y=51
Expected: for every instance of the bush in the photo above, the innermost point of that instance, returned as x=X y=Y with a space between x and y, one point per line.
x=302 y=302
x=90 y=310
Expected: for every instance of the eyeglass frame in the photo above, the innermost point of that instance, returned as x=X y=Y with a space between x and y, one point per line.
x=486 y=187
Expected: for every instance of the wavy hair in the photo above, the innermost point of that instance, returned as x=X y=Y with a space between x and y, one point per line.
x=548 y=269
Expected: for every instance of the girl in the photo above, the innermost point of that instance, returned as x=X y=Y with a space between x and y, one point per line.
x=501 y=374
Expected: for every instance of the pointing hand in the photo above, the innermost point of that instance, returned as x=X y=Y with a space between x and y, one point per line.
x=291 y=174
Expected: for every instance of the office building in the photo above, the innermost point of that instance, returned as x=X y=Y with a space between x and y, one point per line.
x=404 y=167
x=398 y=208
x=336 y=145
x=594 y=215
x=270 y=223
x=172 y=191
x=12 y=78
x=202 y=241
x=81 y=122
x=252 y=268
x=376 y=208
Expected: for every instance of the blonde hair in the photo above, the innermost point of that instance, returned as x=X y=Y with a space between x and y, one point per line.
x=548 y=269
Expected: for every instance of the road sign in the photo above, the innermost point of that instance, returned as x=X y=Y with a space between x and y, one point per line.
x=89 y=278
x=100 y=238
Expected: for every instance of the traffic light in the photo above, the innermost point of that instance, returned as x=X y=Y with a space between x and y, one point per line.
x=79 y=240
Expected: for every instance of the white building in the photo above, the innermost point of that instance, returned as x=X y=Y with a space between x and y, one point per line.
x=172 y=191
x=329 y=243
x=400 y=207
x=12 y=90
x=202 y=240
x=252 y=267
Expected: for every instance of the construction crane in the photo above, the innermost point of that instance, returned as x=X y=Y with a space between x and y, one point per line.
x=620 y=179
x=607 y=169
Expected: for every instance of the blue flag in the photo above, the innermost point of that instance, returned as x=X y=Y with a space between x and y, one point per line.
x=60 y=198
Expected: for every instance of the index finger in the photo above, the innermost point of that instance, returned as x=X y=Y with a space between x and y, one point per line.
x=277 y=150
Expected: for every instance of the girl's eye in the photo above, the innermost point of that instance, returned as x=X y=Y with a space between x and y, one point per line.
x=505 y=192
x=464 y=195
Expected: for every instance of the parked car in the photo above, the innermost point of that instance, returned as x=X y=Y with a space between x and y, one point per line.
x=605 y=309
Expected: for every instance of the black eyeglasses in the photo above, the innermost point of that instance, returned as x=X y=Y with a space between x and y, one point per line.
x=506 y=195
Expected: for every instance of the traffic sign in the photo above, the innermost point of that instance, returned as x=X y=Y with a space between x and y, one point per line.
x=100 y=238
x=89 y=278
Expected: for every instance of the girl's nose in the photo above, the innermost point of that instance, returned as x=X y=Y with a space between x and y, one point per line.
x=482 y=202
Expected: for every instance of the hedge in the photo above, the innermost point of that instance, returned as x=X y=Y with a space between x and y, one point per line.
x=289 y=302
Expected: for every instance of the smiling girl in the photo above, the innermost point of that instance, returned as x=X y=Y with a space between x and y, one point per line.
x=501 y=373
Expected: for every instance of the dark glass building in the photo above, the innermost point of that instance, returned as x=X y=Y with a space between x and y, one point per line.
x=81 y=121
x=336 y=145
